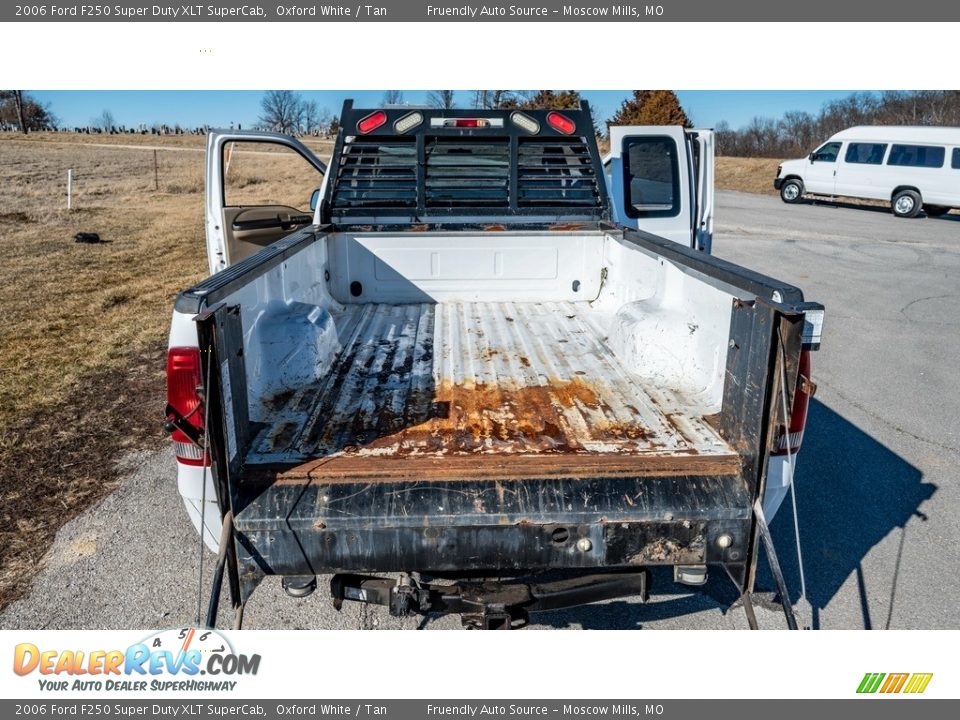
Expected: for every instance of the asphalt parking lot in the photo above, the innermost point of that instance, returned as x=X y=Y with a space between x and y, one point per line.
x=877 y=485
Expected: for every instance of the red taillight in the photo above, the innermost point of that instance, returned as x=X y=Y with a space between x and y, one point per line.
x=371 y=122
x=798 y=415
x=561 y=123
x=183 y=379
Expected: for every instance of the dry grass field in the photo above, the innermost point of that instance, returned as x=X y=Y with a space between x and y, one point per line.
x=754 y=175
x=82 y=344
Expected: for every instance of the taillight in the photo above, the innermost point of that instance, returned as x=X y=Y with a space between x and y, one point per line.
x=561 y=123
x=371 y=122
x=183 y=379
x=798 y=415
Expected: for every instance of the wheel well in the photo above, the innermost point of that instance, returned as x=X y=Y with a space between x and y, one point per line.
x=901 y=188
x=793 y=177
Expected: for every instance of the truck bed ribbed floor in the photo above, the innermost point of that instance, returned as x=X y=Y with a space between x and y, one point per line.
x=464 y=390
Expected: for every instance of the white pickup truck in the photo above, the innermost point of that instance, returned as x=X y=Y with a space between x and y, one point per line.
x=483 y=355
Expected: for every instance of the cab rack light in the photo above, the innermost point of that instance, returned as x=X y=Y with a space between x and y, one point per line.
x=371 y=122
x=408 y=122
x=561 y=123
x=525 y=122
x=467 y=123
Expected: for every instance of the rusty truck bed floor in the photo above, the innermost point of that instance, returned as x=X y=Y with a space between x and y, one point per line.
x=468 y=390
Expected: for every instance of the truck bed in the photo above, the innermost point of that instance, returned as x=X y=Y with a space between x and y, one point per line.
x=462 y=390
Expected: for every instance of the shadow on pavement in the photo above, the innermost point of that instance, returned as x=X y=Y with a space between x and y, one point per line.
x=882 y=209
x=852 y=491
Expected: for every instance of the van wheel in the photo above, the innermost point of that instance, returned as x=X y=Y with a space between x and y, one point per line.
x=935 y=210
x=791 y=191
x=906 y=203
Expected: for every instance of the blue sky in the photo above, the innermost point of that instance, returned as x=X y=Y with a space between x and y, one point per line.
x=219 y=108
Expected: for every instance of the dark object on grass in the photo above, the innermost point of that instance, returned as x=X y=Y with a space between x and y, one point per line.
x=87 y=237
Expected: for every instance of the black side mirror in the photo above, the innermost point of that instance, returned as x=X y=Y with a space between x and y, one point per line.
x=812 y=157
x=315 y=199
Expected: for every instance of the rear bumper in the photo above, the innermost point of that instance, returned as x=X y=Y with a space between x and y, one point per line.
x=296 y=529
x=777 y=183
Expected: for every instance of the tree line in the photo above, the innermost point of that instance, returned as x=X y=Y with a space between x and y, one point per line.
x=796 y=133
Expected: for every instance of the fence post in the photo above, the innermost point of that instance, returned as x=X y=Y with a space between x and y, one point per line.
x=70 y=189
x=156 y=171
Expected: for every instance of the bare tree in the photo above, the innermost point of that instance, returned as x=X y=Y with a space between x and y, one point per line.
x=393 y=97
x=105 y=121
x=497 y=99
x=21 y=118
x=797 y=133
x=315 y=118
x=18 y=109
x=281 y=110
x=441 y=99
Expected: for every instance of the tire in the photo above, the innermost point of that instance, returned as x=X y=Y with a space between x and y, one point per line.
x=936 y=210
x=791 y=192
x=906 y=204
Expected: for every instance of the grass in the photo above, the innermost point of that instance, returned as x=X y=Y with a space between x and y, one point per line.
x=753 y=175
x=83 y=338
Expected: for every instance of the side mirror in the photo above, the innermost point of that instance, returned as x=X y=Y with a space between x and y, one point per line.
x=812 y=157
x=315 y=199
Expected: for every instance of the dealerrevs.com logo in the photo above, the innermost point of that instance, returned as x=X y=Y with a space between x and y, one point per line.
x=909 y=683
x=169 y=660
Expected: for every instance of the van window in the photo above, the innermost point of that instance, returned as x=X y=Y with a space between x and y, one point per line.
x=955 y=163
x=827 y=153
x=865 y=153
x=652 y=172
x=916 y=156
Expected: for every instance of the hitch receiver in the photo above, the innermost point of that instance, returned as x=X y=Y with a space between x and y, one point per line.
x=488 y=605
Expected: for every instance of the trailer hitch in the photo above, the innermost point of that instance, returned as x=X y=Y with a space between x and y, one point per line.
x=490 y=604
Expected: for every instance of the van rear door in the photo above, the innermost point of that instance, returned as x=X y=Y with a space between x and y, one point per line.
x=661 y=181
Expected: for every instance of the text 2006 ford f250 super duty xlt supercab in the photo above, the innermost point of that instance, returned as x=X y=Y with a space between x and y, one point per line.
x=489 y=361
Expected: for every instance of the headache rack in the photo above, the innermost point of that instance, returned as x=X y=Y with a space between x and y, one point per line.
x=412 y=165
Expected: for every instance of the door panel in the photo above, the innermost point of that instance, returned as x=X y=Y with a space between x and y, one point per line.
x=250 y=229
x=238 y=224
x=651 y=179
x=821 y=173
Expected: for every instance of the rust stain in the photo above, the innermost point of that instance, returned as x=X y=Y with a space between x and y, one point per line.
x=278 y=401
x=283 y=435
x=563 y=416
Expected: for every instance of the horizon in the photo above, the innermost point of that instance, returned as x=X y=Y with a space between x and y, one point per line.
x=223 y=108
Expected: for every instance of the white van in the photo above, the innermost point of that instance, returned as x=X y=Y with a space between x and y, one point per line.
x=911 y=167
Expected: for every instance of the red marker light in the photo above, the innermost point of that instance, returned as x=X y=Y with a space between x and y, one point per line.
x=561 y=123
x=371 y=122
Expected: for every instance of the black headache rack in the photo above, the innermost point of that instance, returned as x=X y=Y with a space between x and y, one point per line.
x=412 y=165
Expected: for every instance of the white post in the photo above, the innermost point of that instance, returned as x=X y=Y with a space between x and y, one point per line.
x=70 y=189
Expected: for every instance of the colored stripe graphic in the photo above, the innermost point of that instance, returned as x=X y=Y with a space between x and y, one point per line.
x=918 y=682
x=870 y=682
x=894 y=683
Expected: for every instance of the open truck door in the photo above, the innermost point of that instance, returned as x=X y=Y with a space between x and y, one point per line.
x=245 y=205
x=661 y=181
